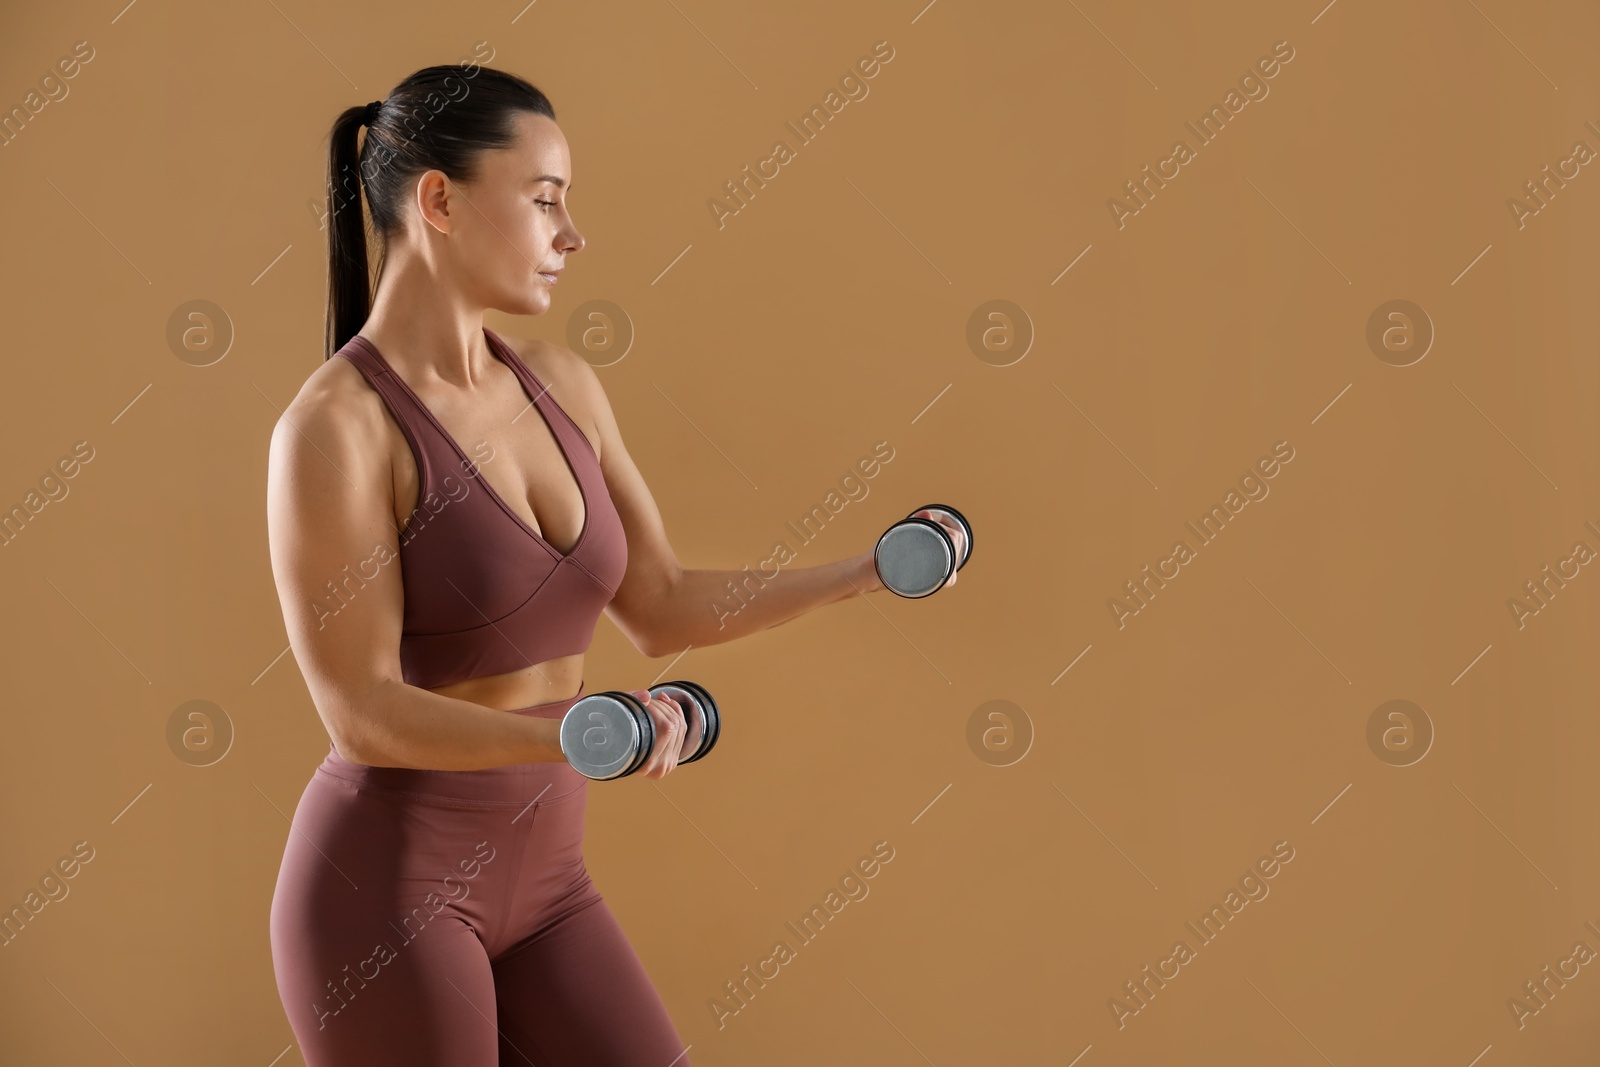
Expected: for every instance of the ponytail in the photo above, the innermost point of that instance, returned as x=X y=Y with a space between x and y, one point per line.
x=349 y=295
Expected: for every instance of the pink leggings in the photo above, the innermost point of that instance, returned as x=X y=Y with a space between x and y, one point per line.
x=435 y=918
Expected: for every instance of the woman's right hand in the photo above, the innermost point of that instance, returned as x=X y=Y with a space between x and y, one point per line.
x=667 y=717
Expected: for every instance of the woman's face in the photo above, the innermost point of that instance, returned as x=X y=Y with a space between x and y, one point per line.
x=510 y=231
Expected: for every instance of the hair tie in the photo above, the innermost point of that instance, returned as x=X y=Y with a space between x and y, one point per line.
x=371 y=113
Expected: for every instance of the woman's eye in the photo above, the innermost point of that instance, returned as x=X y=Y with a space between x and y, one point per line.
x=551 y=203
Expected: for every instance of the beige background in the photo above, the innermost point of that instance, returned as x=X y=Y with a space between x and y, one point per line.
x=1229 y=715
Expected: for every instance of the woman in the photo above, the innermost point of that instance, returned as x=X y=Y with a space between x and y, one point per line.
x=433 y=906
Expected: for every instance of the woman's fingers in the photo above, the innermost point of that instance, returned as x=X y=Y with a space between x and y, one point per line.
x=670 y=729
x=958 y=536
x=672 y=744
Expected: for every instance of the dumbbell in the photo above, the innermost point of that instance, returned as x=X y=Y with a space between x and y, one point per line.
x=608 y=735
x=916 y=556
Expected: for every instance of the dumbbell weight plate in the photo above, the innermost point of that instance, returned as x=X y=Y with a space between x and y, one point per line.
x=961 y=520
x=607 y=735
x=714 y=717
x=698 y=700
x=915 y=557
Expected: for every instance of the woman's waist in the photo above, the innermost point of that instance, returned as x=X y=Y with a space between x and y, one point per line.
x=526 y=690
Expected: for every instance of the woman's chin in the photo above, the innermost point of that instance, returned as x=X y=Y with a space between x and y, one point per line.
x=533 y=302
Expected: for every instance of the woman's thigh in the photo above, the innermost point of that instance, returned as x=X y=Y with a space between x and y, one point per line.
x=431 y=1004
x=576 y=995
x=377 y=929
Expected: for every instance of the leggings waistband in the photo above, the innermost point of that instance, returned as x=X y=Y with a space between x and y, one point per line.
x=511 y=784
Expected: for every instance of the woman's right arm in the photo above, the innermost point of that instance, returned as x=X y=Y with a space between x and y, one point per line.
x=335 y=561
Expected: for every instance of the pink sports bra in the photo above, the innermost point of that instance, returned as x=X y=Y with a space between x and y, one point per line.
x=484 y=593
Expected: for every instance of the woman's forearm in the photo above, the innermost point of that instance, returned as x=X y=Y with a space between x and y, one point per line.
x=401 y=725
x=710 y=607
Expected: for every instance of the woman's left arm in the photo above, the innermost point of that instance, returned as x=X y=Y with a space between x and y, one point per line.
x=664 y=608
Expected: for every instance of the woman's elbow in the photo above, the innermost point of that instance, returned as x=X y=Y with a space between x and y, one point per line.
x=643 y=641
x=348 y=737
x=647 y=618
x=354 y=715
x=638 y=630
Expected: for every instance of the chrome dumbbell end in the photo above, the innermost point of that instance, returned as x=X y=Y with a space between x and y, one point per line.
x=607 y=735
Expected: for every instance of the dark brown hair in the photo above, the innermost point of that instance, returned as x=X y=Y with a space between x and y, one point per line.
x=439 y=118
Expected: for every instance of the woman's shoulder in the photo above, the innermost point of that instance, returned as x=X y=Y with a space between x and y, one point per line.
x=334 y=407
x=336 y=387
